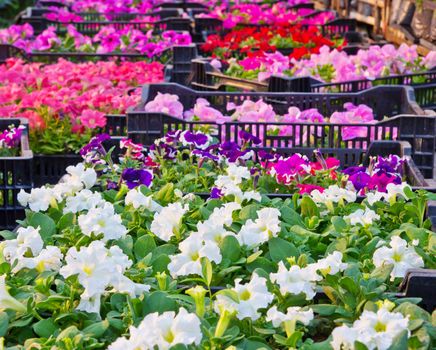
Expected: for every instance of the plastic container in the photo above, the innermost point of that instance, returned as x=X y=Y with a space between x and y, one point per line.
x=48 y=169
x=205 y=77
x=91 y=28
x=15 y=175
x=424 y=85
x=419 y=131
x=177 y=56
x=420 y=283
x=101 y=17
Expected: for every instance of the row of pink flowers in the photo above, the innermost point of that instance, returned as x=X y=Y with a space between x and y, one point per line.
x=107 y=40
x=84 y=92
x=278 y=15
x=332 y=65
x=259 y=111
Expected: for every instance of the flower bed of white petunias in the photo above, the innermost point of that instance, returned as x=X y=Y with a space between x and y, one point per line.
x=153 y=268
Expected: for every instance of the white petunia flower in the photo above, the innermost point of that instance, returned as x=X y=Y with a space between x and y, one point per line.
x=252 y=296
x=79 y=177
x=400 y=254
x=344 y=338
x=167 y=222
x=137 y=199
x=331 y=264
x=296 y=280
x=376 y=330
x=394 y=190
x=83 y=200
x=49 y=259
x=266 y=226
x=362 y=217
x=293 y=314
x=235 y=174
x=104 y=221
x=192 y=249
x=213 y=230
x=374 y=197
x=98 y=268
x=162 y=332
x=28 y=241
x=333 y=194
x=39 y=199
x=380 y=328
x=224 y=214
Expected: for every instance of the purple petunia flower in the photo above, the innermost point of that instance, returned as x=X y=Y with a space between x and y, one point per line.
x=390 y=165
x=137 y=177
x=249 y=138
x=205 y=154
x=95 y=145
x=359 y=179
x=198 y=139
x=215 y=193
x=354 y=170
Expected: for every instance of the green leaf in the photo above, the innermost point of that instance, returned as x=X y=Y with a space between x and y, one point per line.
x=280 y=249
x=262 y=263
x=413 y=311
x=249 y=212
x=290 y=216
x=46 y=224
x=143 y=246
x=97 y=329
x=4 y=323
x=309 y=208
x=165 y=194
x=324 y=309
x=230 y=248
x=249 y=344
x=45 y=328
x=350 y=285
x=65 y=221
x=206 y=270
x=339 y=224
x=400 y=341
x=158 y=302
x=254 y=256
x=160 y=264
x=7 y=235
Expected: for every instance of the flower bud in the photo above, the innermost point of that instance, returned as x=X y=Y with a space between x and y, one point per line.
x=198 y=294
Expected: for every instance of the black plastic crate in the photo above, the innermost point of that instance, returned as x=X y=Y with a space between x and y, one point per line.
x=419 y=131
x=178 y=56
x=15 y=175
x=205 y=77
x=101 y=17
x=91 y=28
x=424 y=85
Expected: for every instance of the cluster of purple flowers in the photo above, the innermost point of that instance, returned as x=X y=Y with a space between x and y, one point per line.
x=10 y=140
x=380 y=173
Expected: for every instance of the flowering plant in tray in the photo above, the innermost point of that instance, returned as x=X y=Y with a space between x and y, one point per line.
x=66 y=103
x=114 y=257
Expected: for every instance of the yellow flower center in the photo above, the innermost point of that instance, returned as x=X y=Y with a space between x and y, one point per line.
x=245 y=295
x=88 y=270
x=169 y=336
x=195 y=256
x=397 y=257
x=380 y=327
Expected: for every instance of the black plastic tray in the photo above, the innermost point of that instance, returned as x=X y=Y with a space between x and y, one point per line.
x=15 y=175
x=205 y=77
x=390 y=102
